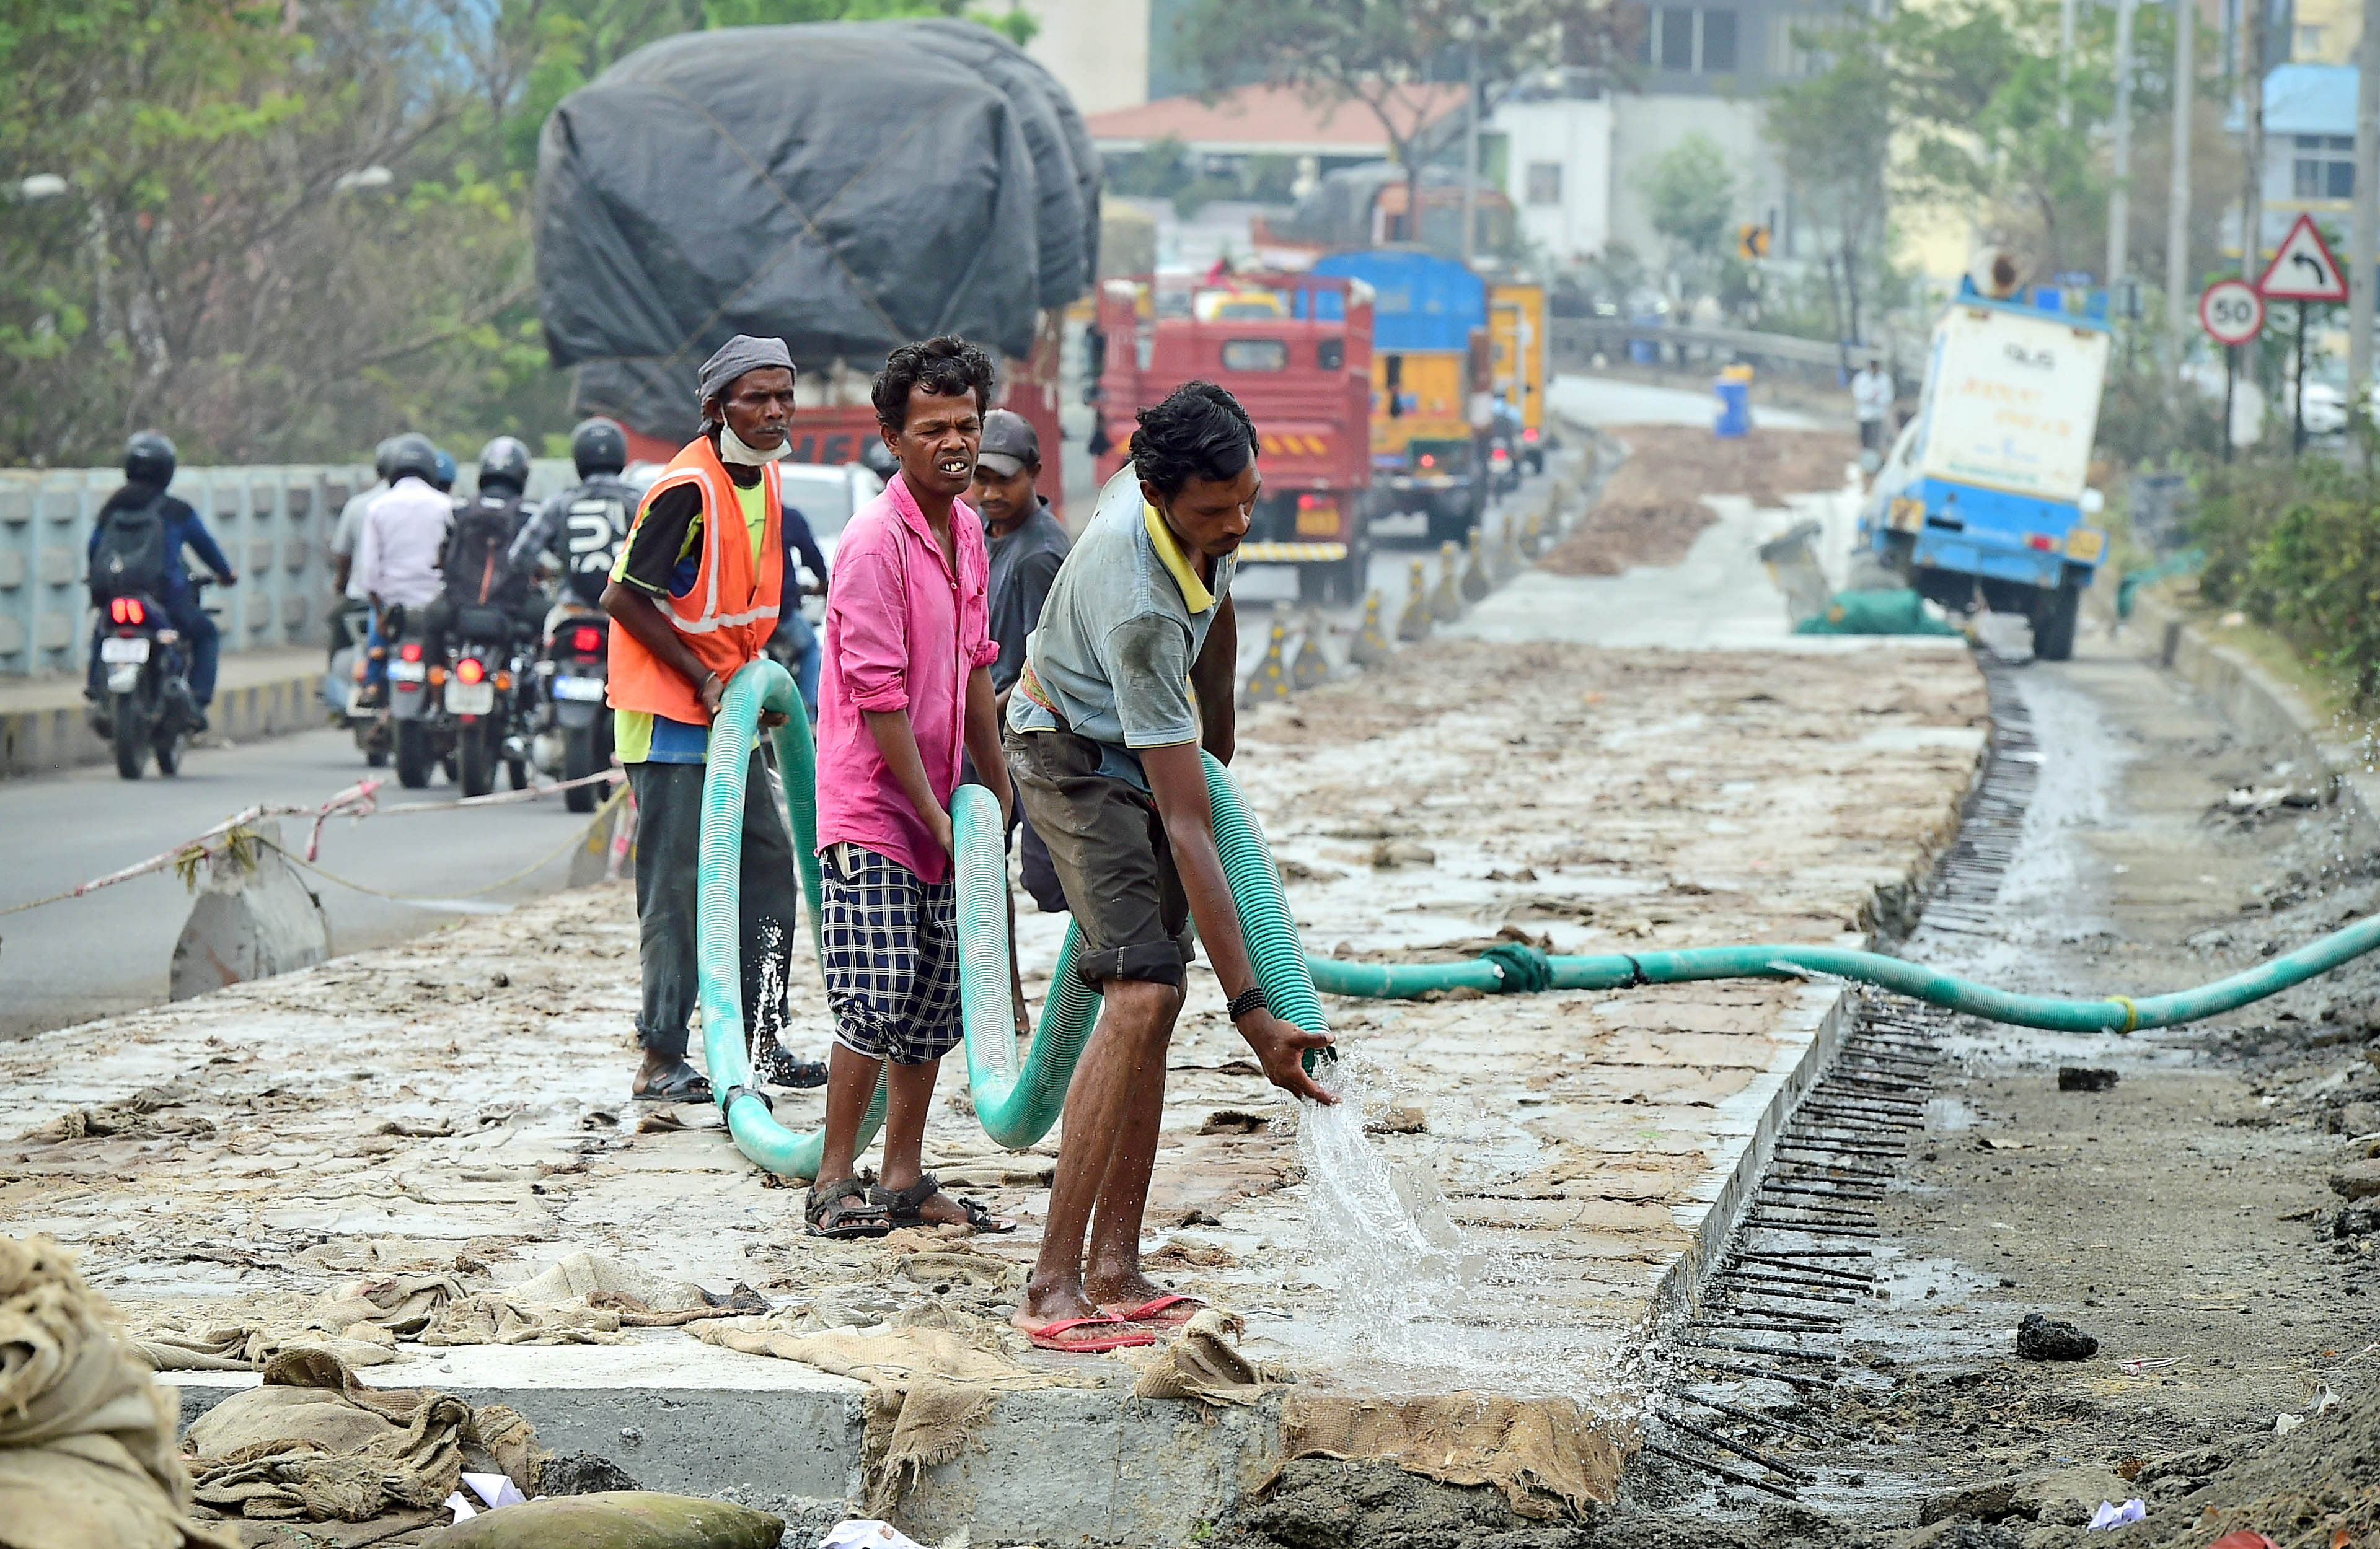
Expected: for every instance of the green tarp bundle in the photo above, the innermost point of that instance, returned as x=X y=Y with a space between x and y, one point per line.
x=1874 y=612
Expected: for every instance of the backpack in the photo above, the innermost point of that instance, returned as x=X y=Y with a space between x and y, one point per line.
x=475 y=567
x=130 y=556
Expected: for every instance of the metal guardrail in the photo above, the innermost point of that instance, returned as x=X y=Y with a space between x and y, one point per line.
x=1585 y=335
x=274 y=522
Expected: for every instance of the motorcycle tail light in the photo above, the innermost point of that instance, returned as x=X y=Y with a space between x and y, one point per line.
x=410 y=650
x=1428 y=460
x=587 y=639
x=503 y=682
x=127 y=610
x=437 y=676
x=469 y=671
x=1529 y=435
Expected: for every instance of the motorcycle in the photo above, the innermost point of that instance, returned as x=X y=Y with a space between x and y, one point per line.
x=147 y=664
x=421 y=732
x=355 y=686
x=573 y=737
x=480 y=701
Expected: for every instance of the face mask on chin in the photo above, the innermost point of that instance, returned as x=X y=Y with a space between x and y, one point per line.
x=733 y=450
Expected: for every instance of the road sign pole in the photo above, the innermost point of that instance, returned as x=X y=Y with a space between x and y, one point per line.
x=2297 y=439
x=2230 y=382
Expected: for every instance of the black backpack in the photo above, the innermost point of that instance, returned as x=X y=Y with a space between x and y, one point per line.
x=475 y=567
x=129 y=557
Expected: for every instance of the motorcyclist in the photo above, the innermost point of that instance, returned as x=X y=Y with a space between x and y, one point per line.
x=351 y=527
x=404 y=533
x=584 y=526
x=476 y=562
x=136 y=549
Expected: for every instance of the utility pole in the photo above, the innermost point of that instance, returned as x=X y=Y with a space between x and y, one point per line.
x=2364 y=233
x=1471 y=151
x=2178 y=299
x=2065 y=61
x=2252 y=110
x=2119 y=198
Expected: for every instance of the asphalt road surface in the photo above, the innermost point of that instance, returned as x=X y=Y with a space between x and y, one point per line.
x=109 y=951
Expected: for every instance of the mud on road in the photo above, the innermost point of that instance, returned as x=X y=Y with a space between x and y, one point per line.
x=2182 y=1216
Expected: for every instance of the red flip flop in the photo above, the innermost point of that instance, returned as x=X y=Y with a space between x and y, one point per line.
x=1154 y=1311
x=1046 y=1336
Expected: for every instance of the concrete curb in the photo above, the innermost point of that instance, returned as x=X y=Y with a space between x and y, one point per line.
x=2271 y=713
x=55 y=738
x=1050 y=1465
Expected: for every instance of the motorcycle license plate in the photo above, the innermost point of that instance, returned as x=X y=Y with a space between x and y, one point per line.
x=470 y=698
x=121 y=649
x=407 y=672
x=588 y=691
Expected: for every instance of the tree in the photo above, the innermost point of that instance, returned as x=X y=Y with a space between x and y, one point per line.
x=281 y=231
x=1692 y=195
x=1833 y=132
x=1383 y=55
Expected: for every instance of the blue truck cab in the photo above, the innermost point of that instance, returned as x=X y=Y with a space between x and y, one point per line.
x=1985 y=498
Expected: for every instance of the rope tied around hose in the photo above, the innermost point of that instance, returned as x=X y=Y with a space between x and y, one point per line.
x=1521 y=969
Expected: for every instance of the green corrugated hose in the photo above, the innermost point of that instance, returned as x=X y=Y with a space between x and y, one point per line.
x=759 y=686
x=1510 y=969
x=1017 y=1101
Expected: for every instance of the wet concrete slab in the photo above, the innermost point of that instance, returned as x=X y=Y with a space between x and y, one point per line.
x=1494 y=1224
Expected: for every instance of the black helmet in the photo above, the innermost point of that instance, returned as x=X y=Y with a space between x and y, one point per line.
x=149 y=459
x=598 y=445
x=382 y=456
x=878 y=459
x=412 y=456
x=504 y=461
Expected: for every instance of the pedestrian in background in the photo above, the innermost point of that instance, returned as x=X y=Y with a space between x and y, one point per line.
x=907 y=688
x=1027 y=545
x=1872 y=403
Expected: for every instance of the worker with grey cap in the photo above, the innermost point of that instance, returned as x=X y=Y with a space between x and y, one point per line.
x=696 y=594
x=1027 y=546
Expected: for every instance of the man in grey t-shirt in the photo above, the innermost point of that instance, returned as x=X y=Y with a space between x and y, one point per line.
x=1129 y=674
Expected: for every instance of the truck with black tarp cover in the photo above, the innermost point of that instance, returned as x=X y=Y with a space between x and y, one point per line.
x=847 y=187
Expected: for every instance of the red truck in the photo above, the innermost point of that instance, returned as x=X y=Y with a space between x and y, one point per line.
x=1296 y=349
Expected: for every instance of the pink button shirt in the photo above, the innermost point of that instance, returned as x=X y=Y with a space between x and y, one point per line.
x=901 y=634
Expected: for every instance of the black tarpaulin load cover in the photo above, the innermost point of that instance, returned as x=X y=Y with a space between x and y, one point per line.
x=845 y=186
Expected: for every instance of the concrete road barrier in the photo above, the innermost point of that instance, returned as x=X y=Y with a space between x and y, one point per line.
x=254 y=917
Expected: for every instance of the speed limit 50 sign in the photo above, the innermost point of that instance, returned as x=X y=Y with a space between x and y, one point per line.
x=2231 y=311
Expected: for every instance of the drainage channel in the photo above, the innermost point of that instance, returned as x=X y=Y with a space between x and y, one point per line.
x=1800 y=1255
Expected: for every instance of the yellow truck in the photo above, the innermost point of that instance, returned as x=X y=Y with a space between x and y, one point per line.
x=1516 y=329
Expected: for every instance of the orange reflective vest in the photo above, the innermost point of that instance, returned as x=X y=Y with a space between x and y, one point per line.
x=726 y=617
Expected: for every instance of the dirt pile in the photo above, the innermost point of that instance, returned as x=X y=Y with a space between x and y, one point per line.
x=2318 y=1485
x=1651 y=509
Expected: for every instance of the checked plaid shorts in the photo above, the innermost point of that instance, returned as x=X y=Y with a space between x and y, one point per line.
x=892 y=945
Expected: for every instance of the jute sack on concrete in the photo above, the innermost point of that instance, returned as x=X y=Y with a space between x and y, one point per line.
x=624 y=1519
x=86 y=1457
x=1203 y=1364
x=929 y=1387
x=313 y=1444
x=1548 y=1456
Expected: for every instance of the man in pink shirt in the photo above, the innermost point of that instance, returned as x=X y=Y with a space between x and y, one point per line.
x=906 y=686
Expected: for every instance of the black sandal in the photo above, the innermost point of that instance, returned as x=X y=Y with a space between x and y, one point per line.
x=843 y=1210
x=774 y=1065
x=906 y=1207
x=684 y=1085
